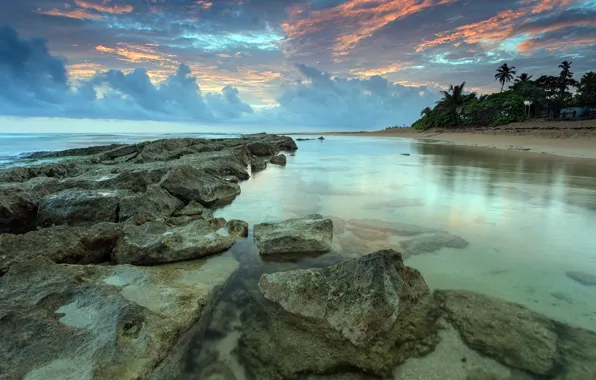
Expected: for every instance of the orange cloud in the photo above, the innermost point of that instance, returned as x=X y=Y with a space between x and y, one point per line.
x=84 y=70
x=554 y=44
x=137 y=53
x=495 y=29
x=205 y=4
x=384 y=70
x=104 y=7
x=359 y=18
x=79 y=14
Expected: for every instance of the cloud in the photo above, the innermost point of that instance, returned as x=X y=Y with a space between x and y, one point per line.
x=87 y=10
x=35 y=83
x=105 y=7
x=323 y=100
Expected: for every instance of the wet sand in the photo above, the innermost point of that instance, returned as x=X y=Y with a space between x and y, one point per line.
x=565 y=138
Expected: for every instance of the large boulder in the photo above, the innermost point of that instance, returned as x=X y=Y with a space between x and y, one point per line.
x=155 y=203
x=63 y=244
x=309 y=234
x=369 y=314
x=158 y=242
x=18 y=210
x=77 y=207
x=262 y=149
x=190 y=184
x=99 y=322
x=257 y=164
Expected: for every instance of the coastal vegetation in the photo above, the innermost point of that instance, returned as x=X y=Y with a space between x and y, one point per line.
x=545 y=96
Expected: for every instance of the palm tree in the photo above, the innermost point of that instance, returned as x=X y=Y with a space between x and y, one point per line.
x=522 y=78
x=505 y=74
x=453 y=99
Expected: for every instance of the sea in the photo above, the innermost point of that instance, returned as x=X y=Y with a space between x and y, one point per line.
x=530 y=219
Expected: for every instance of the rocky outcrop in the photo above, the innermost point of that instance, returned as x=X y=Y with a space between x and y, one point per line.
x=158 y=242
x=193 y=208
x=77 y=207
x=257 y=164
x=18 y=211
x=371 y=314
x=520 y=338
x=99 y=322
x=190 y=184
x=63 y=244
x=155 y=203
x=432 y=242
x=280 y=160
x=309 y=234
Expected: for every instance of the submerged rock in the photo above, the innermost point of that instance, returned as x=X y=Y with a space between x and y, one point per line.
x=399 y=229
x=76 y=207
x=18 y=211
x=433 y=242
x=309 y=234
x=63 y=244
x=257 y=164
x=583 y=278
x=520 y=338
x=157 y=242
x=279 y=160
x=367 y=314
x=156 y=203
x=190 y=184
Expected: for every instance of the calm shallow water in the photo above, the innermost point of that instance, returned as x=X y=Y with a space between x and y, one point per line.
x=529 y=218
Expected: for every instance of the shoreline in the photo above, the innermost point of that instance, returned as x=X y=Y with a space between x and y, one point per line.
x=575 y=139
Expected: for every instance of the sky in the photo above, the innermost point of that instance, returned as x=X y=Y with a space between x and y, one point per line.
x=350 y=64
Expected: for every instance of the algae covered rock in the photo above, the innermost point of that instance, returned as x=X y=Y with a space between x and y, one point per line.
x=18 y=211
x=432 y=242
x=280 y=160
x=368 y=314
x=155 y=203
x=309 y=234
x=190 y=184
x=158 y=242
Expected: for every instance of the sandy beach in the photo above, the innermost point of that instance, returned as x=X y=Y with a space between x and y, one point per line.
x=565 y=138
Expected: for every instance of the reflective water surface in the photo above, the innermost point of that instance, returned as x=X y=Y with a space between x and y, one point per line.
x=528 y=218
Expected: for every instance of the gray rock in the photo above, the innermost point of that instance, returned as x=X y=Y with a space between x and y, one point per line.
x=99 y=322
x=280 y=159
x=156 y=203
x=309 y=234
x=63 y=244
x=193 y=208
x=261 y=149
x=18 y=211
x=368 y=314
x=53 y=170
x=257 y=164
x=583 y=278
x=321 y=138
x=507 y=332
x=190 y=184
x=231 y=178
x=158 y=242
x=76 y=207
x=433 y=242
x=399 y=229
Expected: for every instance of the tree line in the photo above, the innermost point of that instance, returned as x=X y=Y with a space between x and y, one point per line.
x=525 y=97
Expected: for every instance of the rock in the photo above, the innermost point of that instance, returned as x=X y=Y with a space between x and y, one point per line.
x=507 y=332
x=157 y=242
x=321 y=138
x=405 y=154
x=99 y=322
x=18 y=211
x=52 y=170
x=339 y=225
x=371 y=235
x=431 y=243
x=261 y=149
x=190 y=184
x=583 y=278
x=136 y=180
x=193 y=208
x=237 y=228
x=63 y=244
x=368 y=315
x=231 y=178
x=156 y=203
x=399 y=229
x=87 y=151
x=303 y=139
x=76 y=207
x=279 y=160
x=257 y=164
x=309 y=234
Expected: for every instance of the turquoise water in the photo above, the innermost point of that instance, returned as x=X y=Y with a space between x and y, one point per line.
x=528 y=218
